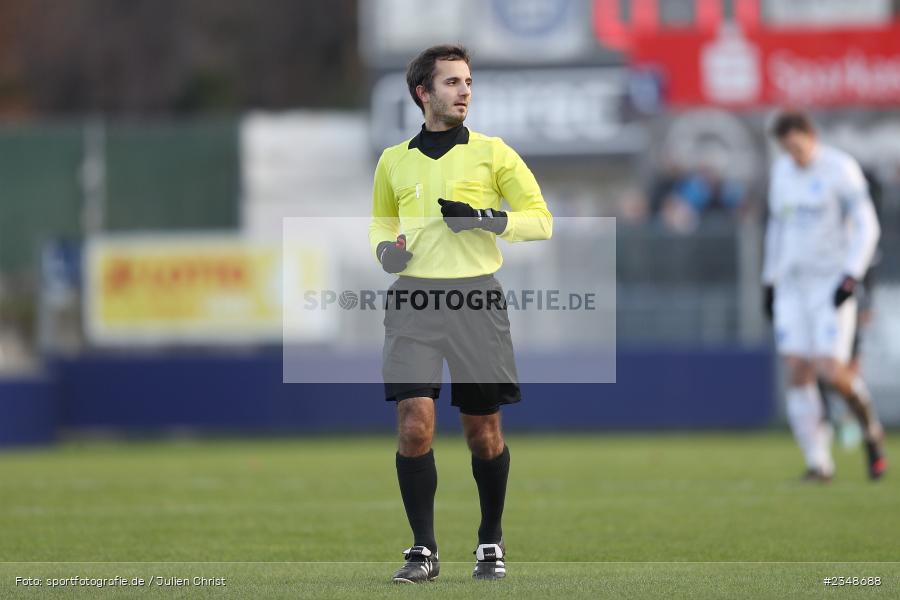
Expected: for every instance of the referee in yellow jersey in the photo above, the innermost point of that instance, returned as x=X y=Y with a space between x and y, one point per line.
x=435 y=221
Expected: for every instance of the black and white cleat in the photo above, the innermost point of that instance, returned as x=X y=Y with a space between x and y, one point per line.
x=421 y=565
x=490 y=561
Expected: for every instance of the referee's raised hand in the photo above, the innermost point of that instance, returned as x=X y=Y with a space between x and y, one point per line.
x=394 y=256
x=459 y=216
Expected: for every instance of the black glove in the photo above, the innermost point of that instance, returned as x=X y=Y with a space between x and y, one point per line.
x=393 y=255
x=769 y=301
x=845 y=290
x=459 y=216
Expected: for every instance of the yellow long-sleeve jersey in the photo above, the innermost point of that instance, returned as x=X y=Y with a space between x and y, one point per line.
x=478 y=170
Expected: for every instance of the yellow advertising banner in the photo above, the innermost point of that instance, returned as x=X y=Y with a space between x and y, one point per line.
x=194 y=289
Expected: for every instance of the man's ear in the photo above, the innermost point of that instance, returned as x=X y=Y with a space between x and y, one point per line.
x=422 y=93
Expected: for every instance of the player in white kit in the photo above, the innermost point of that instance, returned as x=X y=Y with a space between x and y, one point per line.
x=820 y=239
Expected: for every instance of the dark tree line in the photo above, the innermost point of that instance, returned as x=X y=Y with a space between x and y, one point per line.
x=177 y=56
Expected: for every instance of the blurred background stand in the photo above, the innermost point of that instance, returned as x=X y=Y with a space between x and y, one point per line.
x=145 y=179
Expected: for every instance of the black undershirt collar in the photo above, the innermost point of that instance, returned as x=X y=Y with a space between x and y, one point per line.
x=435 y=144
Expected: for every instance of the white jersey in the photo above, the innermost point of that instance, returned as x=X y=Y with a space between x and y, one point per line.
x=821 y=219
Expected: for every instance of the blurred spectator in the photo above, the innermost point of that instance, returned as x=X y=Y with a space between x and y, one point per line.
x=634 y=208
x=664 y=181
x=680 y=200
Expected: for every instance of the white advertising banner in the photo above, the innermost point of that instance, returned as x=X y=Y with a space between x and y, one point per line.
x=539 y=112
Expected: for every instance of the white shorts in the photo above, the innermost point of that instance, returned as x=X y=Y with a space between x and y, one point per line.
x=808 y=325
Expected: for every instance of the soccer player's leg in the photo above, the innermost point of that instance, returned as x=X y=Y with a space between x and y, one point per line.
x=482 y=366
x=835 y=329
x=804 y=405
x=412 y=372
x=417 y=476
x=479 y=405
x=806 y=416
x=490 y=468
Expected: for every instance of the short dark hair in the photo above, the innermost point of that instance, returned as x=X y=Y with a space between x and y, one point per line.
x=421 y=70
x=792 y=120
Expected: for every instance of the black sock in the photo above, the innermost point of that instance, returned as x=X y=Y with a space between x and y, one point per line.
x=418 y=482
x=490 y=476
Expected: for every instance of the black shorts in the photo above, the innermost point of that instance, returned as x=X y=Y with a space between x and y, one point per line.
x=462 y=321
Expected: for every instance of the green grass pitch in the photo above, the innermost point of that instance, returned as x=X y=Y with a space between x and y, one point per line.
x=588 y=516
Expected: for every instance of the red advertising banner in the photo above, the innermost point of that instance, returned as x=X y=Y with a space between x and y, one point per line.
x=729 y=67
